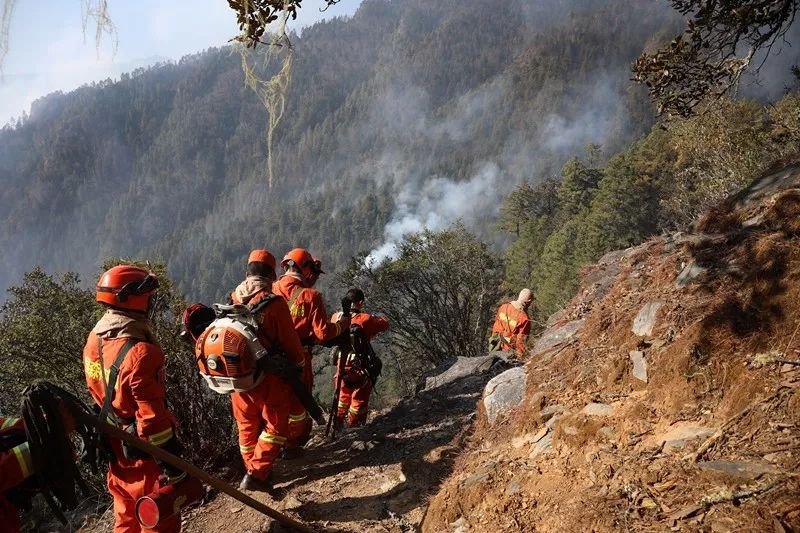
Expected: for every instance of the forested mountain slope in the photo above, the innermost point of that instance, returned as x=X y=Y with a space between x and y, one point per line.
x=411 y=113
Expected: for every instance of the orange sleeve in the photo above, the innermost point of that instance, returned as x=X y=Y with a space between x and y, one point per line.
x=282 y=330
x=322 y=328
x=146 y=382
x=373 y=325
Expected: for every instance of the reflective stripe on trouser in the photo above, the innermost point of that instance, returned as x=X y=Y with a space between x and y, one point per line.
x=354 y=402
x=344 y=405
x=300 y=424
x=262 y=418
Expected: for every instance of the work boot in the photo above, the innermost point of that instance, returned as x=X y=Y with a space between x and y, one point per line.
x=250 y=482
x=338 y=423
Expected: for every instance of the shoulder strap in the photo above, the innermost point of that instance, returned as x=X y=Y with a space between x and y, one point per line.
x=113 y=373
x=295 y=296
x=263 y=302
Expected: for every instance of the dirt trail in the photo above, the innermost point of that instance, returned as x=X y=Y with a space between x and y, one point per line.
x=372 y=479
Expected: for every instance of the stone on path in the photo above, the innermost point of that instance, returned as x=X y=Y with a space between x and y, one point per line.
x=680 y=436
x=557 y=336
x=550 y=411
x=645 y=321
x=639 y=365
x=543 y=445
x=598 y=409
x=689 y=273
x=740 y=469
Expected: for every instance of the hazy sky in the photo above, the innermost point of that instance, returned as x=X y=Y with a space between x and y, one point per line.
x=48 y=51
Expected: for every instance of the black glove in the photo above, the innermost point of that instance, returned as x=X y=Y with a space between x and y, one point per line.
x=171 y=475
x=129 y=452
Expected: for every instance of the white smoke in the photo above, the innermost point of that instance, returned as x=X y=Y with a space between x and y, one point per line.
x=438 y=203
x=426 y=200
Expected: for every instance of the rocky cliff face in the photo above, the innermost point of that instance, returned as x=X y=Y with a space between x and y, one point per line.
x=663 y=397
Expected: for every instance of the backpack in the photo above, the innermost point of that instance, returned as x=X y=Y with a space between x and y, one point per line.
x=227 y=353
x=364 y=362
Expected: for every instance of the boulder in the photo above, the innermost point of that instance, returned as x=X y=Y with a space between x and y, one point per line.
x=504 y=392
x=462 y=367
x=645 y=321
x=556 y=336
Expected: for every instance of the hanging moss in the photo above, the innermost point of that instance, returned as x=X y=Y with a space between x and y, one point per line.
x=97 y=10
x=5 y=22
x=272 y=92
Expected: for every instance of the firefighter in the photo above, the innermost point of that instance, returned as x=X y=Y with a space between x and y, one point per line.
x=311 y=323
x=16 y=472
x=262 y=414
x=359 y=375
x=512 y=325
x=124 y=367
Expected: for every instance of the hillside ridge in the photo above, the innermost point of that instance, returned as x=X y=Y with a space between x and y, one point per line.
x=662 y=398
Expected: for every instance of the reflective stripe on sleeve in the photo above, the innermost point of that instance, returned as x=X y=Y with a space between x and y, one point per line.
x=157 y=439
x=23 y=453
x=8 y=422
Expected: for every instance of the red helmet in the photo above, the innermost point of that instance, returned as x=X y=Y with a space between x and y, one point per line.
x=195 y=320
x=126 y=287
x=301 y=259
x=262 y=256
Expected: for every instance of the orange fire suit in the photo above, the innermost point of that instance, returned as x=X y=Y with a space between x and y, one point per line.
x=15 y=467
x=312 y=326
x=356 y=384
x=262 y=414
x=512 y=325
x=139 y=398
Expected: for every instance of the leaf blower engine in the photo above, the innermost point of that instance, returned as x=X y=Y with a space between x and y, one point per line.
x=226 y=345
